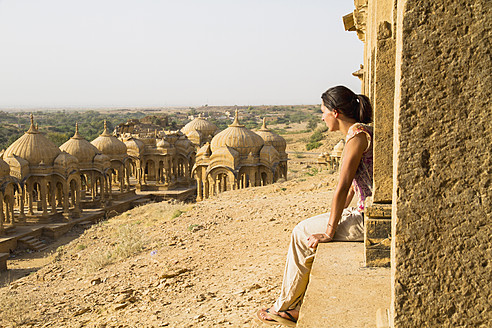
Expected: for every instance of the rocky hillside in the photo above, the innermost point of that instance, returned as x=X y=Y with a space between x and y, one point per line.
x=171 y=264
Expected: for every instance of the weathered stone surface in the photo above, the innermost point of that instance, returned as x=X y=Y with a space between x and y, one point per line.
x=376 y=257
x=377 y=210
x=377 y=228
x=383 y=101
x=3 y=261
x=442 y=215
x=342 y=293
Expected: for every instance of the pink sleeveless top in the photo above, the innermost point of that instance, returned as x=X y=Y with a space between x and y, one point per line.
x=362 y=182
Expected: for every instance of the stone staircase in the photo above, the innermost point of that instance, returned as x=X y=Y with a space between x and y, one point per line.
x=85 y=224
x=33 y=243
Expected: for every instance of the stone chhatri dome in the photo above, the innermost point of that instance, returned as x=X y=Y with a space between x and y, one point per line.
x=272 y=138
x=338 y=149
x=133 y=144
x=34 y=147
x=82 y=149
x=163 y=144
x=201 y=125
x=109 y=144
x=239 y=138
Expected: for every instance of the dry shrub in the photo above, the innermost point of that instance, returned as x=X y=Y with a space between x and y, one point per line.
x=130 y=233
x=128 y=241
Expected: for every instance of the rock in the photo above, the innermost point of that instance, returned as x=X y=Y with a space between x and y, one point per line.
x=81 y=311
x=96 y=281
x=173 y=273
x=198 y=317
x=120 y=306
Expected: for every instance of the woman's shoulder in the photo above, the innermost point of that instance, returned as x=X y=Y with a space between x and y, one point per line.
x=357 y=128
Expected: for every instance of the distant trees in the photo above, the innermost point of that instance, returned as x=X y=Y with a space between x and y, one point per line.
x=58 y=138
x=59 y=126
x=315 y=140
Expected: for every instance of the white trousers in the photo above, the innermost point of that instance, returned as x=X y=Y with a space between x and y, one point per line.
x=300 y=257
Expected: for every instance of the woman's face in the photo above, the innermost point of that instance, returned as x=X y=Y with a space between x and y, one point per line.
x=329 y=118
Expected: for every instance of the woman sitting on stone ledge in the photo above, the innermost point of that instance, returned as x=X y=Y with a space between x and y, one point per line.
x=349 y=113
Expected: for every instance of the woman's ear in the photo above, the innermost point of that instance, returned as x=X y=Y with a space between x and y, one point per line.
x=336 y=113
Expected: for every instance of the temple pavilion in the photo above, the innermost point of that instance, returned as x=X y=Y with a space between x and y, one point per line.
x=238 y=158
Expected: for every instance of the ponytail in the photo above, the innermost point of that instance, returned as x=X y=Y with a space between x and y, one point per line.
x=348 y=103
x=365 y=109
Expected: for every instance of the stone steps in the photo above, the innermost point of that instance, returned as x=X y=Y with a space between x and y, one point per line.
x=9 y=230
x=33 y=243
x=85 y=224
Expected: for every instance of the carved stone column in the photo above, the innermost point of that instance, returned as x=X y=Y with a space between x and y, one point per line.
x=2 y=229
x=44 y=196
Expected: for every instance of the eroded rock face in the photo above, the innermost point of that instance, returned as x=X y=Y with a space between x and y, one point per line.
x=443 y=199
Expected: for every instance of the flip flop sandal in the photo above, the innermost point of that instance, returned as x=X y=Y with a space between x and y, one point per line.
x=268 y=322
x=291 y=322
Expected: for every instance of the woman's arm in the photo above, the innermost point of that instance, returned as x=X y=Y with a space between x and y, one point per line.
x=354 y=149
x=350 y=196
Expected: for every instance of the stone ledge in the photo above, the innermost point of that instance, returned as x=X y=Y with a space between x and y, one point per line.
x=377 y=210
x=342 y=292
x=3 y=261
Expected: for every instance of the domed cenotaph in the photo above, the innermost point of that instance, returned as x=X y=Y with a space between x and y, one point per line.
x=9 y=188
x=160 y=160
x=199 y=131
x=50 y=178
x=95 y=170
x=238 y=158
x=115 y=149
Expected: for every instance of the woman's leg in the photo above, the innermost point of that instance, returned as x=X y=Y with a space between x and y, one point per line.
x=351 y=226
x=300 y=257
x=299 y=260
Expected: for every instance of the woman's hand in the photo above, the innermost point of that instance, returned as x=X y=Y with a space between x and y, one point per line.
x=317 y=238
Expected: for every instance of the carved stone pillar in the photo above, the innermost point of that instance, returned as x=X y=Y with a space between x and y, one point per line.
x=52 y=194
x=206 y=188
x=199 y=191
x=66 y=208
x=22 y=216
x=44 y=197
x=30 y=203
x=2 y=229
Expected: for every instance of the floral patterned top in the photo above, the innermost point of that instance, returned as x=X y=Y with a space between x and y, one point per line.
x=362 y=182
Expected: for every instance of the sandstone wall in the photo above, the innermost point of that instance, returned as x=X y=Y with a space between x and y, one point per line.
x=442 y=167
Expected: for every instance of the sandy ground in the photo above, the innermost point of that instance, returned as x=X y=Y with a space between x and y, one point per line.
x=209 y=264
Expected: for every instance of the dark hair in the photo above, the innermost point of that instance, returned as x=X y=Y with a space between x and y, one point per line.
x=348 y=103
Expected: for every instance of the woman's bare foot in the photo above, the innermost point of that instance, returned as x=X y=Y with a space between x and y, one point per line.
x=264 y=314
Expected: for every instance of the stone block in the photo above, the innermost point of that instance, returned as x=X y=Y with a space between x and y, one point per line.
x=377 y=210
x=3 y=261
x=377 y=234
x=377 y=228
x=377 y=257
x=340 y=292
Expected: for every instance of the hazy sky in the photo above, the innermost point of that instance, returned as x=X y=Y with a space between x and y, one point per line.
x=152 y=53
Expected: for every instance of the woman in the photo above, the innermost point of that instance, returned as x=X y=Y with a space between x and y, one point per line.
x=349 y=113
